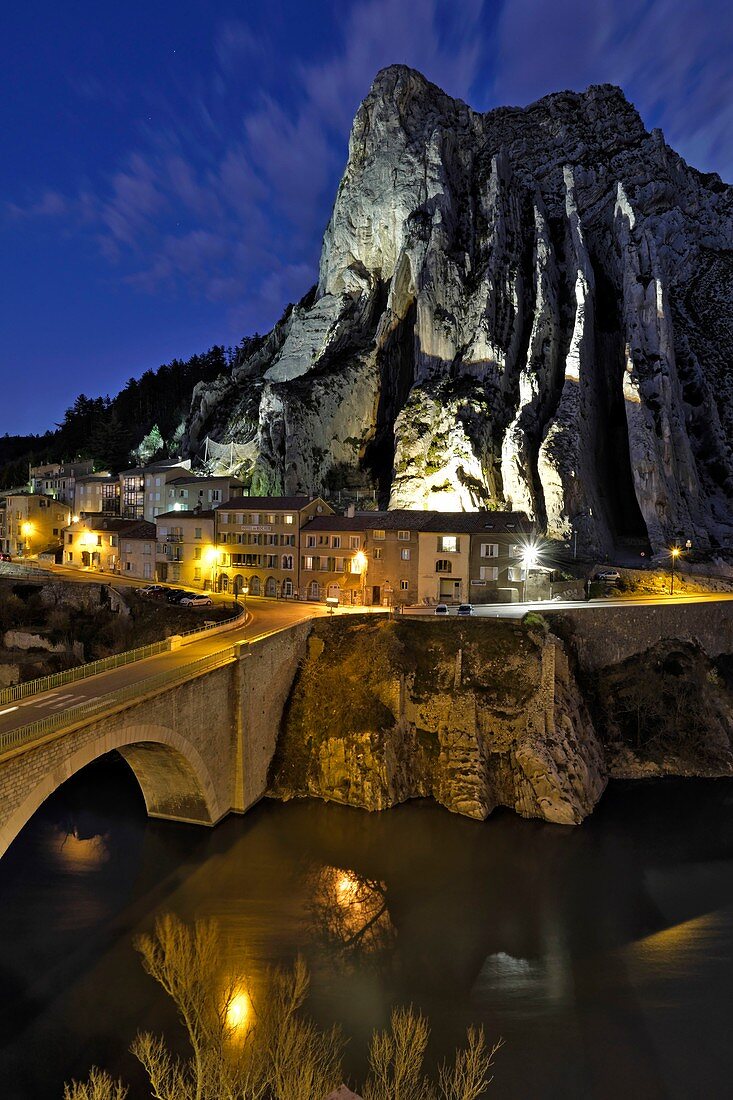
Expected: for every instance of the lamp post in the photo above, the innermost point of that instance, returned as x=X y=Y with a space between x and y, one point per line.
x=245 y=590
x=675 y=553
x=529 y=561
x=360 y=560
x=26 y=531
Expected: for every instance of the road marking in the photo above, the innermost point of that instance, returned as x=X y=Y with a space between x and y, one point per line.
x=8 y=710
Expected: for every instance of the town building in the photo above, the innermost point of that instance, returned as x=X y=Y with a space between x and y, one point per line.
x=365 y=558
x=58 y=480
x=33 y=524
x=186 y=550
x=258 y=539
x=112 y=545
x=189 y=491
x=142 y=488
x=97 y=494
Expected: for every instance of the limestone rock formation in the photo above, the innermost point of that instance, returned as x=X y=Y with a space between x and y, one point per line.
x=474 y=715
x=530 y=307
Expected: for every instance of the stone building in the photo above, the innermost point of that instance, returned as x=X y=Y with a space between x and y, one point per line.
x=258 y=539
x=111 y=545
x=187 y=492
x=142 y=488
x=58 y=480
x=33 y=524
x=186 y=549
x=97 y=493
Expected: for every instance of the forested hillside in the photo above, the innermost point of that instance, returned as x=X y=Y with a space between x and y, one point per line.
x=108 y=429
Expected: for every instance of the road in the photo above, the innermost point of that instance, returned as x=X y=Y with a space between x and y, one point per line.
x=264 y=616
x=517 y=610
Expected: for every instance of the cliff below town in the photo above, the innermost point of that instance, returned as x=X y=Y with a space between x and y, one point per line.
x=528 y=307
x=480 y=714
x=471 y=714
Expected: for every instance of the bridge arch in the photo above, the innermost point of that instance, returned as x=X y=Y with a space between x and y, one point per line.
x=175 y=782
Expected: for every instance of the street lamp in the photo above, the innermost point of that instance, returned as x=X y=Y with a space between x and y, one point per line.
x=530 y=557
x=360 y=561
x=26 y=531
x=675 y=553
x=245 y=590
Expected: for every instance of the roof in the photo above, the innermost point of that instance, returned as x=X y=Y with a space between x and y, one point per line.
x=412 y=519
x=276 y=504
x=187 y=513
x=109 y=479
x=192 y=478
x=130 y=528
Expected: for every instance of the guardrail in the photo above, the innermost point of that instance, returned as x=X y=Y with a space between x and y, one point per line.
x=25 y=735
x=104 y=664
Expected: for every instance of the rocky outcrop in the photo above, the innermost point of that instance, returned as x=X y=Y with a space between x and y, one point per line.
x=474 y=715
x=529 y=307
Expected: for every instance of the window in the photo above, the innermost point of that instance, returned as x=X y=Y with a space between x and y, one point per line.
x=354 y=566
x=255 y=519
x=147 y=571
x=489 y=572
x=403 y=536
x=128 y=566
x=271 y=518
x=442 y=565
x=197 y=573
x=288 y=519
x=404 y=585
x=377 y=553
x=354 y=542
x=223 y=517
x=310 y=540
x=308 y=563
x=99 y=540
x=197 y=532
x=515 y=573
x=379 y=534
x=287 y=561
x=405 y=554
x=340 y=565
x=515 y=550
x=147 y=548
x=239 y=518
x=70 y=556
x=216 y=494
x=336 y=542
x=448 y=544
x=197 y=553
x=489 y=550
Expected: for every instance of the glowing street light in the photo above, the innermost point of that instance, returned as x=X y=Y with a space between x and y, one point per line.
x=530 y=560
x=360 y=561
x=238 y=1010
x=674 y=554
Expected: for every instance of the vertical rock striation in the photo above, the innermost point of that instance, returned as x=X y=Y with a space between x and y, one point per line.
x=529 y=307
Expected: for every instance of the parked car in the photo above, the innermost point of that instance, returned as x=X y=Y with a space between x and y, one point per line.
x=177 y=594
x=153 y=590
x=465 y=609
x=195 y=600
x=5 y=557
x=608 y=575
x=441 y=609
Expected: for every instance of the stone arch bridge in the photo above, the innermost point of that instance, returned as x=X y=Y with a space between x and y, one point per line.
x=199 y=738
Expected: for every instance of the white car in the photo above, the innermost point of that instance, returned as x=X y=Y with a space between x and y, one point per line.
x=196 y=601
x=608 y=575
x=441 y=609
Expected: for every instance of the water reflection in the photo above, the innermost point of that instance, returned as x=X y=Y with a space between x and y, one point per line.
x=603 y=955
x=350 y=915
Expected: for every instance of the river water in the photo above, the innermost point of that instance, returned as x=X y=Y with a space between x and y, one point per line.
x=602 y=955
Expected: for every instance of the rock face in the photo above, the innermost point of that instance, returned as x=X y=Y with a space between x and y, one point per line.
x=474 y=715
x=528 y=307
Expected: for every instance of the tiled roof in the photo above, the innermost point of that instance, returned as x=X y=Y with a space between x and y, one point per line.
x=276 y=504
x=187 y=513
x=130 y=528
x=411 y=519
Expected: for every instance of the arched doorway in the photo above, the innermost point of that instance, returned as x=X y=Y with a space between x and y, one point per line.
x=334 y=591
x=271 y=587
x=223 y=582
x=314 y=590
x=238 y=584
x=254 y=586
x=287 y=588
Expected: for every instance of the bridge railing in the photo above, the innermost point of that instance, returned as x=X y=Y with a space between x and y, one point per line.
x=104 y=664
x=34 y=731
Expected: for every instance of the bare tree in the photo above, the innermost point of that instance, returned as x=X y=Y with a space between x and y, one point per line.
x=100 y=1086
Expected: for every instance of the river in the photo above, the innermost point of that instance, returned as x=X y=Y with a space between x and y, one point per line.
x=602 y=955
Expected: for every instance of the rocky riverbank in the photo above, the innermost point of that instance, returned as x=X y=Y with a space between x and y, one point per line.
x=483 y=714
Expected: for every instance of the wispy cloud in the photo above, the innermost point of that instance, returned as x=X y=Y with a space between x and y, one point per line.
x=672 y=58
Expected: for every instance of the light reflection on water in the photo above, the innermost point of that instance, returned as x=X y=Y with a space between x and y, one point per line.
x=603 y=955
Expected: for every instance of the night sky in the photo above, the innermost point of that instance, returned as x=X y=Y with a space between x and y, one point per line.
x=167 y=169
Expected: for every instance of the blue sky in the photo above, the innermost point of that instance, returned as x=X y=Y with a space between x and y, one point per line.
x=168 y=169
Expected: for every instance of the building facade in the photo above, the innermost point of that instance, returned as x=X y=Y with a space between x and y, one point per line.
x=33 y=524
x=188 y=492
x=142 y=488
x=58 y=480
x=258 y=543
x=186 y=550
x=111 y=545
x=97 y=493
